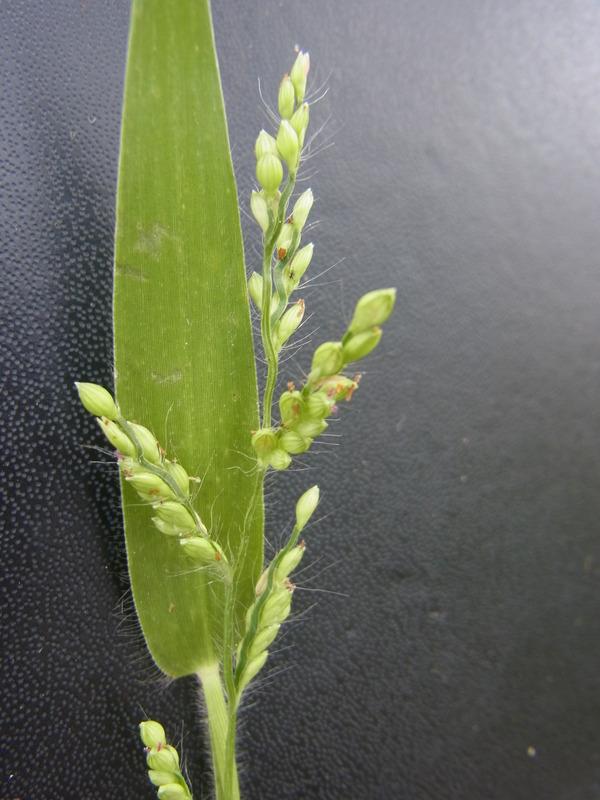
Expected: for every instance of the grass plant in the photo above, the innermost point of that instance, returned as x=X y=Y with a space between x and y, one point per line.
x=192 y=442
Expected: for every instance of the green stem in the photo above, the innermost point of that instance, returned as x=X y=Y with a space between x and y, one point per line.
x=228 y=639
x=231 y=778
x=218 y=720
x=267 y=338
x=267 y=293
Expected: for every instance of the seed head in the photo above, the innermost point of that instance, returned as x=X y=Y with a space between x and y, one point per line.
x=148 y=443
x=264 y=441
x=360 y=345
x=260 y=210
x=301 y=209
x=306 y=505
x=161 y=778
x=264 y=145
x=339 y=387
x=311 y=427
x=288 y=145
x=252 y=669
x=168 y=529
x=117 y=437
x=163 y=758
x=149 y=485
x=286 y=97
x=372 y=309
x=294 y=442
x=172 y=791
x=319 y=405
x=97 y=400
x=290 y=561
x=152 y=733
x=290 y=322
x=284 y=240
x=299 y=122
x=269 y=172
x=277 y=607
x=179 y=475
x=262 y=640
x=298 y=266
x=175 y=514
x=327 y=360
x=299 y=74
x=280 y=459
x=255 y=289
x=290 y=405
x=202 y=551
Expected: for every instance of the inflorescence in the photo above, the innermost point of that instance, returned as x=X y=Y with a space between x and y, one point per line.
x=302 y=411
x=164 y=484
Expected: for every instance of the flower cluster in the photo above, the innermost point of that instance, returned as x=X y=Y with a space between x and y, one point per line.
x=286 y=147
x=269 y=205
x=273 y=602
x=163 y=484
x=303 y=412
x=163 y=763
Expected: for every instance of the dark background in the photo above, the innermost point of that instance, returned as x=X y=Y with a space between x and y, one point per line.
x=453 y=653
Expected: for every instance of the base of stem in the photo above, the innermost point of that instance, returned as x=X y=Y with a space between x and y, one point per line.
x=218 y=720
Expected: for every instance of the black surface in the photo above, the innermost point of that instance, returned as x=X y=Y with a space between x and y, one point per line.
x=456 y=651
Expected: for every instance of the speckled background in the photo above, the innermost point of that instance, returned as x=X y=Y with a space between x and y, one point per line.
x=446 y=643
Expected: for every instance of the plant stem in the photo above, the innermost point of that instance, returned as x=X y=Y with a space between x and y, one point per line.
x=267 y=338
x=228 y=639
x=222 y=716
x=267 y=293
x=231 y=778
x=218 y=720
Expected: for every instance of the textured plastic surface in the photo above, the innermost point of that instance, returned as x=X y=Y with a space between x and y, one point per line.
x=462 y=500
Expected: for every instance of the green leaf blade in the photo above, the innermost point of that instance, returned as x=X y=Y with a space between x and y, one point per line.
x=184 y=359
